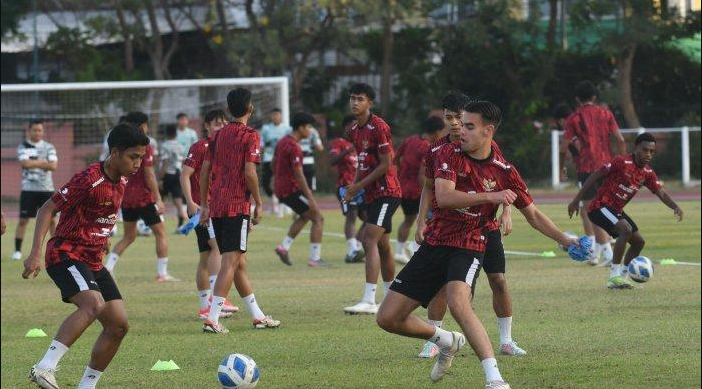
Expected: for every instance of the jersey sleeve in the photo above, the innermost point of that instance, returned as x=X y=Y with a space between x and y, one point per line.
x=73 y=193
x=612 y=166
x=253 y=148
x=294 y=155
x=335 y=148
x=570 y=129
x=519 y=187
x=52 y=156
x=194 y=157
x=22 y=154
x=383 y=139
x=612 y=125
x=652 y=182
x=315 y=139
x=148 y=159
x=446 y=164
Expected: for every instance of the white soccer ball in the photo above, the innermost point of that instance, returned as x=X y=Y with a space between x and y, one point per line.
x=570 y=235
x=640 y=269
x=143 y=229
x=238 y=371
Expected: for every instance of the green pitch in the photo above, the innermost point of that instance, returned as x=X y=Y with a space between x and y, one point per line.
x=578 y=333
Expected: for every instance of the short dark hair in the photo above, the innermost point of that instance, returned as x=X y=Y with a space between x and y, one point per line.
x=488 y=111
x=275 y=110
x=455 y=102
x=137 y=118
x=300 y=119
x=346 y=120
x=562 y=111
x=122 y=119
x=171 y=131
x=126 y=135
x=432 y=124
x=362 y=89
x=181 y=115
x=238 y=101
x=35 y=122
x=586 y=90
x=215 y=114
x=644 y=137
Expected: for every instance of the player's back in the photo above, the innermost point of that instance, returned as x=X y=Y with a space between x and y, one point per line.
x=591 y=125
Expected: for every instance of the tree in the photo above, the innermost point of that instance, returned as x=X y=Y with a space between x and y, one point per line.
x=12 y=12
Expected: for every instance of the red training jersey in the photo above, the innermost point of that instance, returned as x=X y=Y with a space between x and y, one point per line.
x=431 y=154
x=287 y=156
x=591 y=125
x=346 y=167
x=622 y=181
x=229 y=150
x=413 y=151
x=196 y=155
x=137 y=194
x=372 y=140
x=88 y=204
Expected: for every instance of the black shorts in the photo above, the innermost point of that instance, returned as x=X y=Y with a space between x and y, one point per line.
x=204 y=234
x=231 y=233
x=607 y=218
x=410 y=206
x=31 y=201
x=72 y=277
x=311 y=178
x=171 y=185
x=267 y=178
x=381 y=211
x=494 y=257
x=298 y=202
x=148 y=213
x=345 y=206
x=590 y=194
x=431 y=267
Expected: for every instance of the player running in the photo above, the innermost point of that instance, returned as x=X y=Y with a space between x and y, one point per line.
x=88 y=204
x=377 y=175
x=142 y=200
x=621 y=180
x=228 y=180
x=172 y=156
x=210 y=257
x=410 y=158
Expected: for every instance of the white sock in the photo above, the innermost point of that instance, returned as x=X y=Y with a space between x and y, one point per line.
x=276 y=204
x=386 y=285
x=252 y=306
x=315 y=251
x=442 y=338
x=369 y=293
x=351 y=245
x=624 y=270
x=216 y=308
x=435 y=323
x=597 y=250
x=505 y=324
x=287 y=242
x=213 y=280
x=162 y=266
x=53 y=355
x=204 y=298
x=111 y=262
x=607 y=251
x=414 y=247
x=359 y=245
x=616 y=270
x=492 y=373
x=592 y=239
x=400 y=248
x=90 y=378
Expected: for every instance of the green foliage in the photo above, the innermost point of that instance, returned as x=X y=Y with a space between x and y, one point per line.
x=12 y=12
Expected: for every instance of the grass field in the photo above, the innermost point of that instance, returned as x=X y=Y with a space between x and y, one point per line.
x=578 y=333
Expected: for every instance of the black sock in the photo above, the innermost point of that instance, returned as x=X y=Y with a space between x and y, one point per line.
x=18 y=244
x=180 y=221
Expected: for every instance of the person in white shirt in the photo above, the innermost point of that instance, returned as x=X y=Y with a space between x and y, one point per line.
x=186 y=135
x=271 y=133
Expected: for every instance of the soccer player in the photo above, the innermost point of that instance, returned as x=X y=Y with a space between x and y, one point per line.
x=88 y=204
x=2 y=223
x=172 y=156
x=343 y=155
x=186 y=135
x=292 y=189
x=621 y=180
x=228 y=181
x=271 y=133
x=587 y=136
x=410 y=158
x=377 y=175
x=210 y=257
x=142 y=200
x=38 y=159
x=309 y=145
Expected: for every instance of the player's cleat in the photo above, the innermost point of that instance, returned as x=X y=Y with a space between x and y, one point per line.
x=443 y=362
x=592 y=261
x=166 y=278
x=355 y=257
x=283 y=255
x=430 y=350
x=605 y=262
x=17 y=255
x=229 y=307
x=497 y=385
x=44 y=378
x=266 y=322
x=362 y=307
x=618 y=282
x=511 y=348
x=318 y=263
x=204 y=313
x=214 y=328
x=401 y=258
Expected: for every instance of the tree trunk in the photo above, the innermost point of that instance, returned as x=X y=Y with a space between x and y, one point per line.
x=386 y=67
x=128 y=43
x=552 y=23
x=625 y=65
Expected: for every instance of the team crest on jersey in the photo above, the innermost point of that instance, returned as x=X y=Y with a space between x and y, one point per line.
x=489 y=185
x=365 y=144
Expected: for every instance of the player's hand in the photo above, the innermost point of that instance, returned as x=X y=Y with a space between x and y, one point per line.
x=32 y=266
x=257 y=214
x=192 y=208
x=564 y=174
x=419 y=234
x=2 y=224
x=503 y=197
x=160 y=207
x=205 y=215
x=351 y=192
x=573 y=208
x=677 y=212
x=506 y=223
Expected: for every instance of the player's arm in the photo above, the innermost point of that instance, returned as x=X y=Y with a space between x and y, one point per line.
x=336 y=157
x=562 y=154
x=152 y=184
x=573 y=207
x=317 y=142
x=35 y=164
x=379 y=171
x=299 y=176
x=667 y=200
x=205 y=170
x=448 y=197
x=251 y=177
x=506 y=220
x=619 y=140
x=542 y=223
x=425 y=200
x=32 y=265
x=2 y=223
x=185 y=175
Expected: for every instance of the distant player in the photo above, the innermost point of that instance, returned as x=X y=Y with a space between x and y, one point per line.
x=343 y=155
x=271 y=133
x=2 y=223
x=377 y=175
x=410 y=158
x=88 y=204
x=186 y=135
x=309 y=145
x=587 y=136
x=142 y=200
x=621 y=180
x=292 y=189
x=210 y=257
x=38 y=159
x=228 y=181
x=172 y=156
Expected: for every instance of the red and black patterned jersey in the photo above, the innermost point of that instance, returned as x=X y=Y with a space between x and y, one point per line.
x=229 y=150
x=372 y=140
x=622 y=180
x=591 y=125
x=431 y=154
x=194 y=159
x=413 y=151
x=287 y=157
x=138 y=194
x=88 y=204
x=346 y=167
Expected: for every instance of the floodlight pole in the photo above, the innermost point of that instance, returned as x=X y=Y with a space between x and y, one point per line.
x=35 y=55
